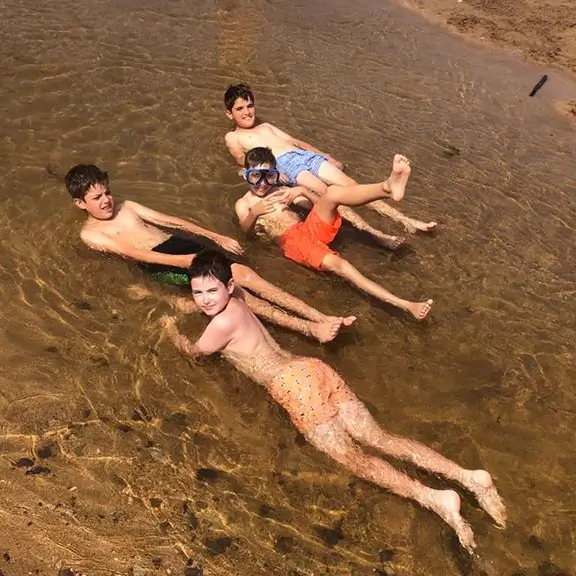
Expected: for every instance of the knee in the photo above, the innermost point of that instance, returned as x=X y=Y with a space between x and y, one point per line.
x=243 y=275
x=335 y=264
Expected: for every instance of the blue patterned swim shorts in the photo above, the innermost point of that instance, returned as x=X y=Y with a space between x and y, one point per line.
x=297 y=161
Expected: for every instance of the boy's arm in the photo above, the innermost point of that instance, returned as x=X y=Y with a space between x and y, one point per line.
x=234 y=148
x=161 y=219
x=214 y=339
x=304 y=145
x=248 y=215
x=302 y=197
x=110 y=245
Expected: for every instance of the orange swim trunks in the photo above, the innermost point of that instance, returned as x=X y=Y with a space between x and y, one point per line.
x=310 y=391
x=307 y=242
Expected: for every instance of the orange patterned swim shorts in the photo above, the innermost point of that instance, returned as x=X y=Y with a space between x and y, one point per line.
x=310 y=391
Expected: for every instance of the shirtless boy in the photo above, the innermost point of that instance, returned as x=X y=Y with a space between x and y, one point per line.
x=133 y=231
x=266 y=208
x=320 y=404
x=301 y=163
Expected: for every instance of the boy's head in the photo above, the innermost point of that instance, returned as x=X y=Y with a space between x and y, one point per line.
x=211 y=281
x=260 y=170
x=239 y=102
x=88 y=186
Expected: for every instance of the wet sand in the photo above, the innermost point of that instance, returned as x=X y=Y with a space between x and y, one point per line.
x=542 y=31
x=118 y=453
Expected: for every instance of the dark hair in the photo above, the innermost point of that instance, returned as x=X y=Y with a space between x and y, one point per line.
x=260 y=155
x=212 y=263
x=82 y=177
x=235 y=91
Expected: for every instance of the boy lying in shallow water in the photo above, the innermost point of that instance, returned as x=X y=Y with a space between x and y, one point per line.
x=136 y=232
x=267 y=208
x=303 y=164
x=319 y=402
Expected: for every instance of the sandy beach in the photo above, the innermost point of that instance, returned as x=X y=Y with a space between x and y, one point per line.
x=540 y=32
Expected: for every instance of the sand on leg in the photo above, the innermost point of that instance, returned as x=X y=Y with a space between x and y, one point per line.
x=332 y=439
x=323 y=330
x=360 y=424
x=249 y=279
x=343 y=268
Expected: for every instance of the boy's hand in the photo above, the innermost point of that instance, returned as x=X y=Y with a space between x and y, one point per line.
x=229 y=244
x=292 y=194
x=268 y=204
x=336 y=163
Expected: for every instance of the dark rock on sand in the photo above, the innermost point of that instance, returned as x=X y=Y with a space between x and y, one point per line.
x=386 y=555
x=192 y=521
x=208 y=474
x=193 y=569
x=218 y=546
x=81 y=305
x=327 y=535
x=47 y=450
x=266 y=511
x=24 y=463
x=6 y=557
x=284 y=544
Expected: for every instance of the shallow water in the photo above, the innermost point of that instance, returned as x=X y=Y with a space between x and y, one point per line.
x=152 y=456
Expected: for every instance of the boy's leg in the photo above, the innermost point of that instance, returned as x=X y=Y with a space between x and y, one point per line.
x=334 y=263
x=247 y=278
x=333 y=439
x=360 y=424
x=322 y=327
x=334 y=176
x=312 y=182
x=323 y=331
x=410 y=224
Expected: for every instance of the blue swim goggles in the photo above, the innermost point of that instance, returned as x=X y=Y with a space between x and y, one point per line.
x=254 y=176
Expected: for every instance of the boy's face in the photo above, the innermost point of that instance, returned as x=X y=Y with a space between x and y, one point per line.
x=98 y=202
x=210 y=294
x=262 y=179
x=243 y=113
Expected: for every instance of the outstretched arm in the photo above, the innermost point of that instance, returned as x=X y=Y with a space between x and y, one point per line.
x=248 y=215
x=214 y=339
x=161 y=219
x=111 y=245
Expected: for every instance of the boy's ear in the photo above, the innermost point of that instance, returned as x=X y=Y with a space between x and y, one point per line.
x=231 y=286
x=229 y=115
x=80 y=203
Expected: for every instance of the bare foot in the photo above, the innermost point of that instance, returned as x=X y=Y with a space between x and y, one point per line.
x=446 y=503
x=412 y=226
x=326 y=331
x=390 y=242
x=396 y=183
x=479 y=482
x=419 y=309
x=349 y=320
